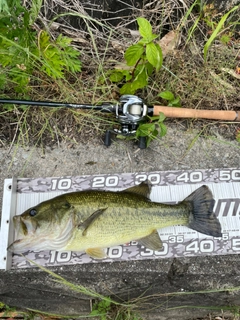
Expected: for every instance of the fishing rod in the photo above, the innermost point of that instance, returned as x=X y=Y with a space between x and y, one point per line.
x=131 y=110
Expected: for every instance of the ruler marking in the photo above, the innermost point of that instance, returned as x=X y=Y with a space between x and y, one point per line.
x=168 y=187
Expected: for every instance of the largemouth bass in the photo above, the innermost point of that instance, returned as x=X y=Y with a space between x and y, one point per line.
x=93 y=220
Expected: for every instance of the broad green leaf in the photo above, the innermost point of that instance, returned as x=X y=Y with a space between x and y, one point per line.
x=163 y=129
x=6 y=58
x=216 y=31
x=58 y=56
x=161 y=117
x=154 y=134
x=141 y=79
x=153 y=118
x=133 y=54
x=145 y=129
x=107 y=302
x=154 y=55
x=44 y=39
x=148 y=142
x=145 y=28
x=144 y=41
x=20 y=78
x=131 y=87
x=127 y=74
x=127 y=89
x=160 y=56
x=149 y=68
x=166 y=95
x=175 y=103
x=116 y=76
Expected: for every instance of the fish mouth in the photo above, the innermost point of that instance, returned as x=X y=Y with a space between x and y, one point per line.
x=17 y=246
x=19 y=226
x=41 y=240
x=23 y=226
x=24 y=232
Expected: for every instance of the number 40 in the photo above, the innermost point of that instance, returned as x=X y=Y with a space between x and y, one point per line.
x=195 y=176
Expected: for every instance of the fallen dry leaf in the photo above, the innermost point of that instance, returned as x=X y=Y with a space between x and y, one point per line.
x=231 y=72
x=169 y=42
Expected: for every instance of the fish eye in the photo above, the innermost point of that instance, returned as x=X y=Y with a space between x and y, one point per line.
x=32 y=212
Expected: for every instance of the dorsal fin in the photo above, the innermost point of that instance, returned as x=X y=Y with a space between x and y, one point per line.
x=143 y=189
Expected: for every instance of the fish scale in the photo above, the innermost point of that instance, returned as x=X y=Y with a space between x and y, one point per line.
x=122 y=221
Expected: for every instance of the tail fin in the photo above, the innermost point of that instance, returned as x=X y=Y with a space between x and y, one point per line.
x=202 y=218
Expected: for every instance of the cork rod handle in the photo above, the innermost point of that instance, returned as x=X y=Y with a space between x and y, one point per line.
x=173 y=112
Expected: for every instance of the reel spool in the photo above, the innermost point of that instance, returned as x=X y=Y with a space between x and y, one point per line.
x=130 y=111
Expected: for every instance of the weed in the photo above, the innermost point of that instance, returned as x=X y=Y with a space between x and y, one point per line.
x=15 y=42
x=171 y=99
x=153 y=128
x=141 y=59
x=27 y=68
x=197 y=4
x=4 y=7
x=216 y=31
x=101 y=309
x=57 y=56
x=21 y=55
x=108 y=310
x=150 y=129
x=7 y=310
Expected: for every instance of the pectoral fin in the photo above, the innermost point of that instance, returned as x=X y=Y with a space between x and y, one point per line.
x=86 y=223
x=96 y=253
x=152 y=241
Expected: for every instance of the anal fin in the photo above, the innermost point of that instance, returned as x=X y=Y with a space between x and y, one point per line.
x=152 y=241
x=96 y=253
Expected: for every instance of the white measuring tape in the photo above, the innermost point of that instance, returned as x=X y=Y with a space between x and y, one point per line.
x=169 y=187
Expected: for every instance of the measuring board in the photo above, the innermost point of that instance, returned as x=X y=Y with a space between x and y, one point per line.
x=168 y=187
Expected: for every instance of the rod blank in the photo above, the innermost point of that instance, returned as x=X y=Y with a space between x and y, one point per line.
x=103 y=107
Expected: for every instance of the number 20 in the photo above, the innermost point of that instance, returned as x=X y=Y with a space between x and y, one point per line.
x=110 y=181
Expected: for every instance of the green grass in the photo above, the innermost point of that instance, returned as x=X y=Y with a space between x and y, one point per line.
x=216 y=31
x=101 y=48
x=107 y=307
